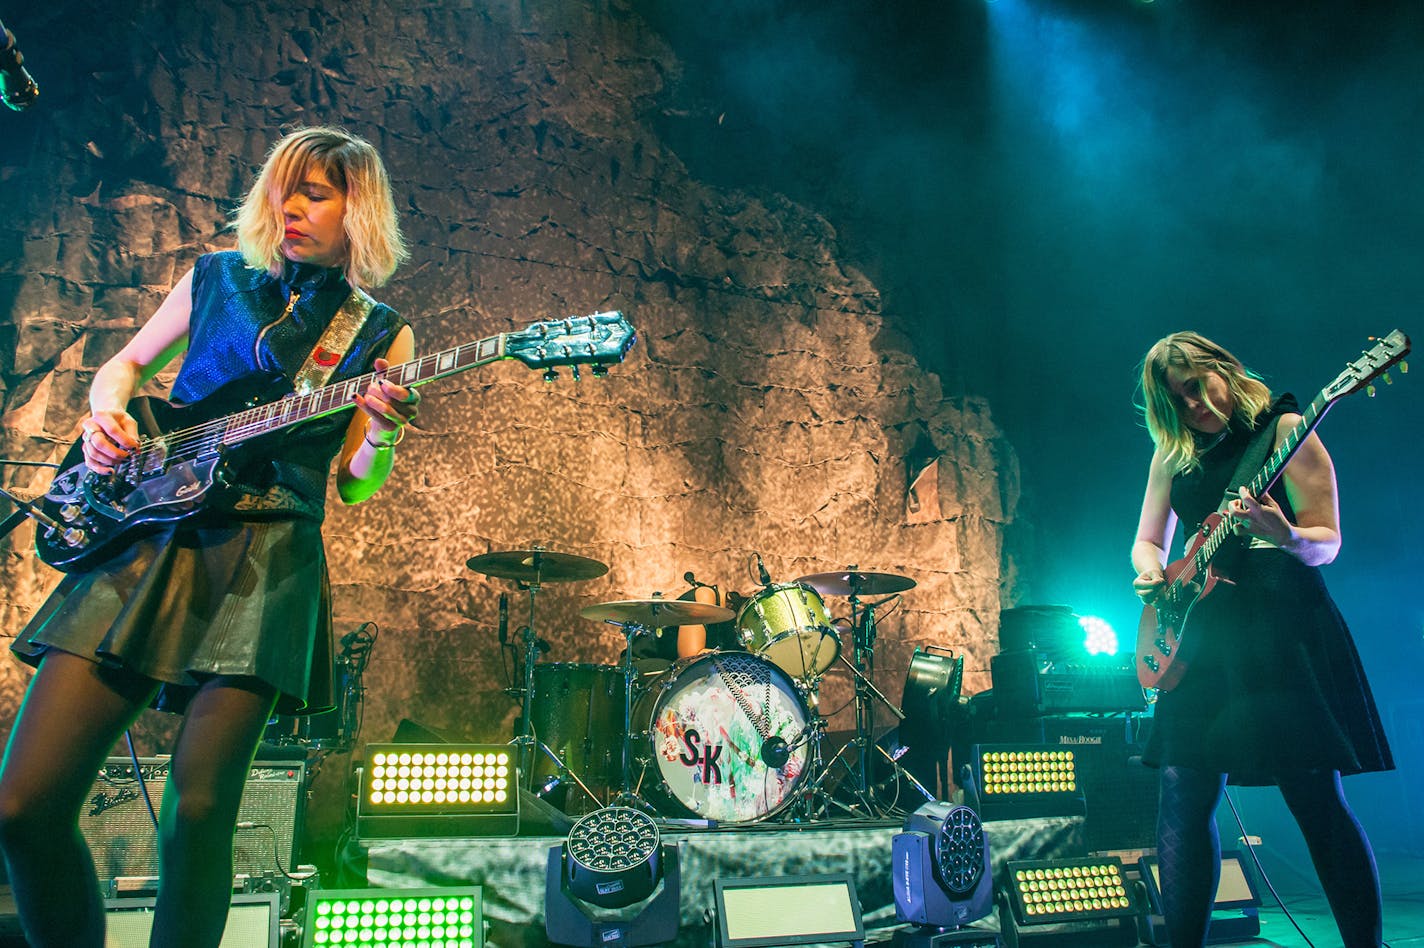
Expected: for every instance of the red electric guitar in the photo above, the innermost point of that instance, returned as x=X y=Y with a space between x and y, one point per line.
x=1164 y=651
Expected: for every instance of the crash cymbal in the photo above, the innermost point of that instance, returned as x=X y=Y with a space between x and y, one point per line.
x=657 y=612
x=537 y=566
x=848 y=583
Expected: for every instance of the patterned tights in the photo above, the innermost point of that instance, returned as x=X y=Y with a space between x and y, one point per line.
x=1189 y=852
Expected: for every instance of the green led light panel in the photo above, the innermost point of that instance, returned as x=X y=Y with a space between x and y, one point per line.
x=395 y=918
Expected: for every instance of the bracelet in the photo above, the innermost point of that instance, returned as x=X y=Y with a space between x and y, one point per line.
x=385 y=445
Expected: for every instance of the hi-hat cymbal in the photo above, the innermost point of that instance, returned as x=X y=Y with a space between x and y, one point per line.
x=850 y=583
x=537 y=566
x=657 y=612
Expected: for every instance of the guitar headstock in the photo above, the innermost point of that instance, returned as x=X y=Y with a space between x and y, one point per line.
x=1372 y=363
x=599 y=340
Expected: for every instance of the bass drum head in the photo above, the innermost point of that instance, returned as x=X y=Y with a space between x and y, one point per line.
x=713 y=729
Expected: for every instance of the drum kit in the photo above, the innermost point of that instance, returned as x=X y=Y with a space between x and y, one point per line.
x=730 y=736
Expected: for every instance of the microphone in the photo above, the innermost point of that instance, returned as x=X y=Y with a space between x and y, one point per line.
x=350 y=638
x=503 y=618
x=762 y=574
x=775 y=752
x=695 y=583
x=17 y=86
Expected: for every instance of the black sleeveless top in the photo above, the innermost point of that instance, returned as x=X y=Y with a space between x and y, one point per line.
x=250 y=328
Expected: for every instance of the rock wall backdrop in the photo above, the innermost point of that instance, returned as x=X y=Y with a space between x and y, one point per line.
x=769 y=405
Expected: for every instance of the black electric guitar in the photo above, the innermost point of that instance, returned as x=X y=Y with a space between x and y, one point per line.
x=88 y=517
x=1164 y=651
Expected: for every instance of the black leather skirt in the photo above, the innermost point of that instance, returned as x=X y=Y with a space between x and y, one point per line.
x=190 y=602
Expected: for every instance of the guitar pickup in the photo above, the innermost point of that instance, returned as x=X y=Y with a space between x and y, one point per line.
x=1163 y=647
x=1151 y=662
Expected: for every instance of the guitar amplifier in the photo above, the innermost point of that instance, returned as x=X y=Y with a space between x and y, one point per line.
x=1026 y=685
x=116 y=823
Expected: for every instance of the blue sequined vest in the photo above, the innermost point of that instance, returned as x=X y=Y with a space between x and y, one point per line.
x=249 y=326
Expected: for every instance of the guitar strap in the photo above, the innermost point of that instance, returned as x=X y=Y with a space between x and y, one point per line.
x=335 y=342
x=1252 y=460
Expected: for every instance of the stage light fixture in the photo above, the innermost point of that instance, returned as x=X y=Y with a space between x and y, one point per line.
x=1027 y=780
x=787 y=910
x=1085 y=901
x=1234 y=912
x=450 y=917
x=612 y=883
x=438 y=790
x=941 y=876
x=1099 y=638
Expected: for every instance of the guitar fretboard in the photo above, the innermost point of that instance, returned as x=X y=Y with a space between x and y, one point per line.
x=297 y=408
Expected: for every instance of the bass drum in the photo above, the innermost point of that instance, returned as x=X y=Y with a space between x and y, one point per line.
x=728 y=737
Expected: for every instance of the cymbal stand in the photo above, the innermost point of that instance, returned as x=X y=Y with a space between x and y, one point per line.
x=866 y=695
x=626 y=795
x=526 y=740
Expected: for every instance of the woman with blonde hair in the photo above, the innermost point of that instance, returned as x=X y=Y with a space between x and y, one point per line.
x=223 y=616
x=1275 y=692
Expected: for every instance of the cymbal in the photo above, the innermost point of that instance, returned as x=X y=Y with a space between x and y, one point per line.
x=537 y=566
x=657 y=612
x=857 y=584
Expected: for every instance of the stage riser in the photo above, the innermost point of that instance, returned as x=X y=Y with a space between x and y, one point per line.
x=512 y=870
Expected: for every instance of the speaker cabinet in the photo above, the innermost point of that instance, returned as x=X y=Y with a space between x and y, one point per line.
x=116 y=823
x=1119 y=791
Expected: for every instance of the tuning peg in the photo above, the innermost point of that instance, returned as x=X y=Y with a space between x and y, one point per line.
x=551 y=375
x=1404 y=368
x=1370 y=390
x=574 y=370
x=1387 y=379
x=600 y=371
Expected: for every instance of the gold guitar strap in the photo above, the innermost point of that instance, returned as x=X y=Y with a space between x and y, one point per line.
x=335 y=342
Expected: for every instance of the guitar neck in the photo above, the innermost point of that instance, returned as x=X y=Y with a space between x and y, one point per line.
x=1264 y=480
x=1271 y=471
x=339 y=396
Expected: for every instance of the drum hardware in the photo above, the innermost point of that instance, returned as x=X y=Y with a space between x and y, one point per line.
x=530 y=570
x=854 y=583
x=634 y=617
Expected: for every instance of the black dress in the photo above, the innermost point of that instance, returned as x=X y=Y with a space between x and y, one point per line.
x=241 y=589
x=1276 y=685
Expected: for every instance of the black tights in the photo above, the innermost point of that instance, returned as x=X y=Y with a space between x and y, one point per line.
x=67 y=725
x=1189 y=852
